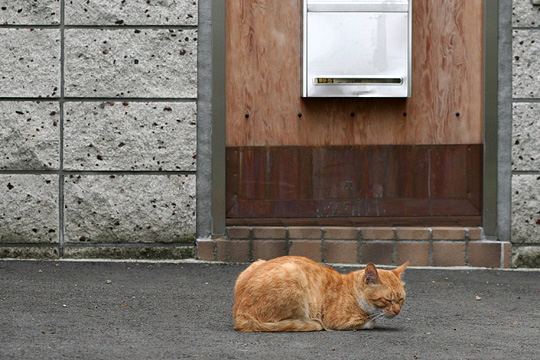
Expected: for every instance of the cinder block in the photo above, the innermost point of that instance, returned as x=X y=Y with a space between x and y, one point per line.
x=232 y=250
x=269 y=232
x=29 y=210
x=485 y=254
x=475 y=233
x=412 y=233
x=340 y=233
x=377 y=253
x=417 y=253
x=448 y=253
x=525 y=207
x=340 y=252
x=30 y=62
x=129 y=209
x=131 y=63
x=526 y=136
x=377 y=233
x=238 y=232
x=526 y=63
x=308 y=248
x=507 y=255
x=269 y=249
x=525 y=14
x=30 y=12
x=130 y=136
x=205 y=249
x=448 y=233
x=29 y=135
x=304 y=232
x=133 y=12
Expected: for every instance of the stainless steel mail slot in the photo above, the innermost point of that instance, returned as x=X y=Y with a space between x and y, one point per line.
x=357 y=48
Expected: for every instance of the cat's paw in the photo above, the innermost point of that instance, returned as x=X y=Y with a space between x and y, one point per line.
x=368 y=325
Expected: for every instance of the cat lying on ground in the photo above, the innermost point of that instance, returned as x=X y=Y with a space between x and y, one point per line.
x=293 y=293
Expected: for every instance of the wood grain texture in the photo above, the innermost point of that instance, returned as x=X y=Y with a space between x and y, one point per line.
x=264 y=106
x=359 y=221
x=354 y=182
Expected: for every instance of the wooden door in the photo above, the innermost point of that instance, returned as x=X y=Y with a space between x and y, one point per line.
x=354 y=161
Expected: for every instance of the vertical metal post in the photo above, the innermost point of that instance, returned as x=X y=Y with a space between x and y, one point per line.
x=218 y=117
x=504 y=218
x=491 y=126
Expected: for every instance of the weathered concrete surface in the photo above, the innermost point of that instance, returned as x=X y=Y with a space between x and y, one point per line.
x=30 y=62
x=127 y=252
x=29 y=12
x=526 y=208
x=131 y=63
x=525 y=14
x=29 y=135
x=29 y=209
x=526 y=137
x=130 y=136
x=526 y=132
x=28 y=252
x=151 y=311
x=526 y=74
x=526 y=256
x=129 y=208
x=121 y=12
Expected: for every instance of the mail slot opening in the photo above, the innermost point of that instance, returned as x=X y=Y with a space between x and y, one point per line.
x=352 y=81
x=357 y=48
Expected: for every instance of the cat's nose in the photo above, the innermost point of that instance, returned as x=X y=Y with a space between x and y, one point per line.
x=389 y=314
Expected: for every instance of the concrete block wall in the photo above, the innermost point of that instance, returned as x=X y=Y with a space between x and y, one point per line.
x=421 y=246
x=526 y=134
x=98 y=124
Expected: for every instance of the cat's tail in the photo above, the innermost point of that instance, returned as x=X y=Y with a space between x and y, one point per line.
x=248 y=324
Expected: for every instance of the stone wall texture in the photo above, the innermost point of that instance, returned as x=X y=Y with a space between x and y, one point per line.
x=526 y=134
x=30 y=12
x=98 y=125
x=98 y=128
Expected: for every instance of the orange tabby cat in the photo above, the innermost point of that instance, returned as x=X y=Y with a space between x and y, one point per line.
x=293 y=293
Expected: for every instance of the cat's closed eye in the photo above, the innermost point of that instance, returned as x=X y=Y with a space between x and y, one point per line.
x=384 y=302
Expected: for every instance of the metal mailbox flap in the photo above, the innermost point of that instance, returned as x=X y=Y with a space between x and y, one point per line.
x=359 y=5
x=357 y=48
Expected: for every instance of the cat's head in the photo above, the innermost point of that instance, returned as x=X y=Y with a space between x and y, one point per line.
x=383 y=290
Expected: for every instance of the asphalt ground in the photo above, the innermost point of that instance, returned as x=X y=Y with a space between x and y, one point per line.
x=85 y=310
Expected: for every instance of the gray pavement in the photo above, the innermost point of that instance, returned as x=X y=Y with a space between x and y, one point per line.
x=69 y=310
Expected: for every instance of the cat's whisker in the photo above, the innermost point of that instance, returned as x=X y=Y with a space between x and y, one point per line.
x=376 y=316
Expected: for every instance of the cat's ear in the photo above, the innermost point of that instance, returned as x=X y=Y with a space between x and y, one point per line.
x=400 y=270
x=371 y=276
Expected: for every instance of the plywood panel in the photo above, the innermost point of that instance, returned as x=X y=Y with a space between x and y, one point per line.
x=359 y=221
x=264 y=106
x=352 y=182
